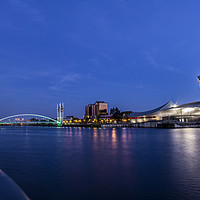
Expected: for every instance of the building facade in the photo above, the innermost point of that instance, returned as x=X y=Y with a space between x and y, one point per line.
x=169 y=113
x=97 y=109
x=90 y=111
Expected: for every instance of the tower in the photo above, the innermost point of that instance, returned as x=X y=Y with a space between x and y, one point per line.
x=60 y=112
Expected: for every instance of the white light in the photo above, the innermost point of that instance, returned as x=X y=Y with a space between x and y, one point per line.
x=188 y=110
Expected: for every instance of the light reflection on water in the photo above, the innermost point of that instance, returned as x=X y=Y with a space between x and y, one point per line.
x=96 y=163
x=114 y=139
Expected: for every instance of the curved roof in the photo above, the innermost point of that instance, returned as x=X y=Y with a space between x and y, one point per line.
x=193 y=104
x=168 y=105
x=163 y=107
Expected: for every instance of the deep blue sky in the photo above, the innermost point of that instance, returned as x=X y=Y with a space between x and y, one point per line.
x=133 y=54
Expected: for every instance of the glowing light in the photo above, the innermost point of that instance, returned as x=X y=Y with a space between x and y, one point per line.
x=188 y=109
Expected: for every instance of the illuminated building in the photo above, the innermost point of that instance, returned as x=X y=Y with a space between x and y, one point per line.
x=168 y=113
x=96 y=109
x=101 y=108
x=90 y=111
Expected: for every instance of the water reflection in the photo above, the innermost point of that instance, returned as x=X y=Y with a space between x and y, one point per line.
x=127 y=163
x=185 y=159
x=114 y=139
x=103 y=137
x=95 y=135
x=186 y=142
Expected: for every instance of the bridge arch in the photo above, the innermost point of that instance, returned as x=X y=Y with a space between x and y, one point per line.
x=33 y=115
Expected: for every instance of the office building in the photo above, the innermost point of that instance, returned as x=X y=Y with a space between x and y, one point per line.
x=99 y=108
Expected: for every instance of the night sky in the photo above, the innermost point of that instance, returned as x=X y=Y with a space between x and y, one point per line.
x=133 y=54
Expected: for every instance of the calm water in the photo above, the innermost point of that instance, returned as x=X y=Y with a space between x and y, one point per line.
x=83 y=163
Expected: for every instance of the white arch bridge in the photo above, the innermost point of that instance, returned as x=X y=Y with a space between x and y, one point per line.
x=16 y=119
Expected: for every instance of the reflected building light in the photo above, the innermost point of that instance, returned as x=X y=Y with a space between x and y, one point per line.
x=114 y=138
x=185 y=141
x=124 y=136
x=95 y=136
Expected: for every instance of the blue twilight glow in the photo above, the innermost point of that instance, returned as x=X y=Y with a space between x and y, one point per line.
x=133 y=54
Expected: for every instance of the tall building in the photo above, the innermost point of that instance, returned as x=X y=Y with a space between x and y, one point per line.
x=96 y=109
x=90 y=111
x=60 y=112
x=101 y=108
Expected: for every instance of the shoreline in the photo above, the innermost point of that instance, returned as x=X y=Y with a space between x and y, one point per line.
x=157 y=125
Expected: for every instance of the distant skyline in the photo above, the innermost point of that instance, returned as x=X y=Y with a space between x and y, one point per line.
x=135 y=55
